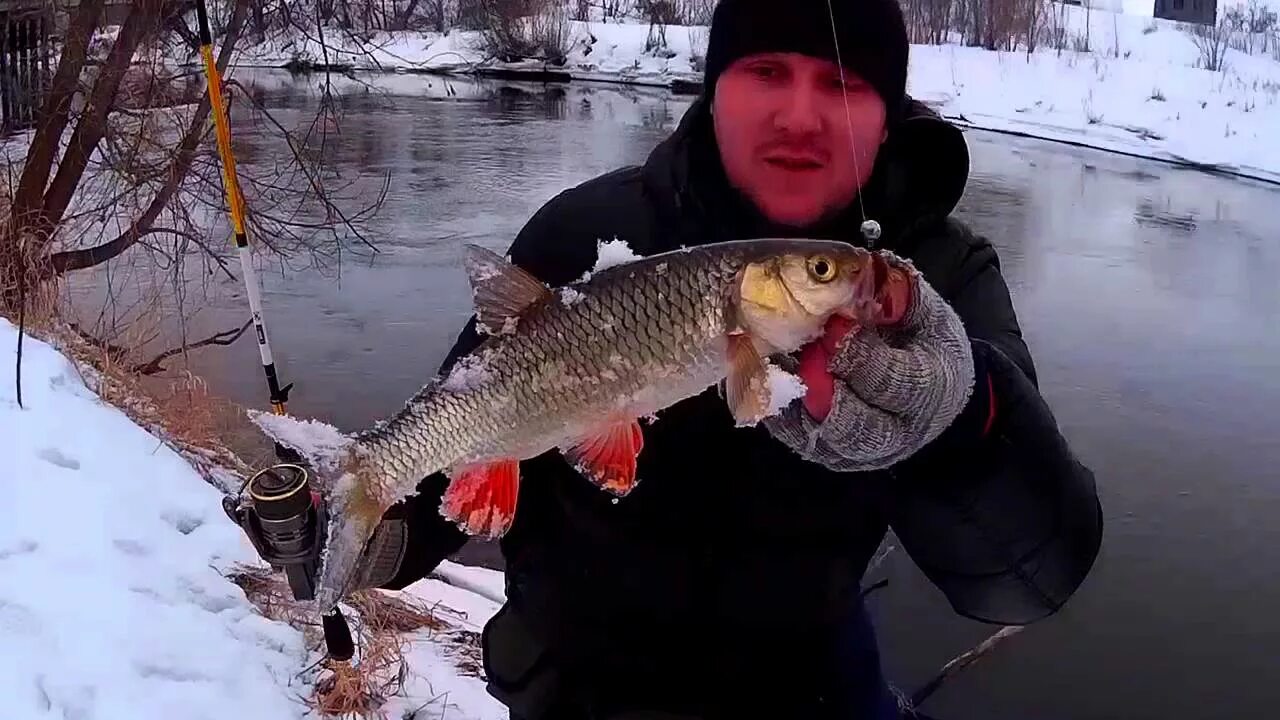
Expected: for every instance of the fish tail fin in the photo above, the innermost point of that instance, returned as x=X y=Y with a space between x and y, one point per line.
x=353 y=516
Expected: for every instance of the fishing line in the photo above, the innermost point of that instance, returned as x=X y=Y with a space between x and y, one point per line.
x=870 y=228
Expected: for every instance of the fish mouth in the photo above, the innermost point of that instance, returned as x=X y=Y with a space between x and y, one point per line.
x=867 y=302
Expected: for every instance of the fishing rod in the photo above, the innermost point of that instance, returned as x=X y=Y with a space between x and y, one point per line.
x=279 y=396
x=281 y=502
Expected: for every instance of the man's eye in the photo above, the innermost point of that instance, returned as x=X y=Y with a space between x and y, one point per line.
x=764 y=70
x=850 y=84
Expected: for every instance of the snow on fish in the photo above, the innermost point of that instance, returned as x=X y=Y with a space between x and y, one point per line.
x=575 y=371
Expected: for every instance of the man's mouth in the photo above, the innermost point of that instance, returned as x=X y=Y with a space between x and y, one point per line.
x=793 y=163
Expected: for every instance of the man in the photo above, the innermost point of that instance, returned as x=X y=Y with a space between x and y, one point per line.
x=727 y=583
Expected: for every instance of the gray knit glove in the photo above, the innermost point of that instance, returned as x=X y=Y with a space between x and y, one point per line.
x=895 y=391
x=380 y=561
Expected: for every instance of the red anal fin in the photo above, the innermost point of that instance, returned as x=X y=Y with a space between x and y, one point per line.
x=608 y=458
x=481 y=499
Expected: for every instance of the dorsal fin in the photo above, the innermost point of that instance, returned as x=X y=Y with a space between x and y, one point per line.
x=501 y=290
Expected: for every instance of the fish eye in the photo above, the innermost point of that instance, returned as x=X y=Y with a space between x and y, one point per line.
x=822 y=268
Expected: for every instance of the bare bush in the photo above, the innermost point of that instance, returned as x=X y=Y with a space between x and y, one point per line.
x=1213 y=41
x=1035 y=15
x=436 y=14
x=515 y=30
x=617 y=9
x=582 y=10
x=549 y=29
x=359 y=16
x=694 y=12
x=699 y=37
x=1253 y=24
x=928 y=20
x=1080 y=43
x=991 y=24
x=660 y=14
x=1001 y=26
x=1054 y=28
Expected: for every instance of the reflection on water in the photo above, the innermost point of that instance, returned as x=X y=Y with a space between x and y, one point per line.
x=1147 y=294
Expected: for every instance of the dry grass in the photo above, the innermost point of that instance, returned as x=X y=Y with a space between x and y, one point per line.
x=380 y=625
x=211 y=432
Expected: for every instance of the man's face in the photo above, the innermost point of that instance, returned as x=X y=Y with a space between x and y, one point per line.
x=783 y=132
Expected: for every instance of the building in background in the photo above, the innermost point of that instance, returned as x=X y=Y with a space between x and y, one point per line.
x=1204 y=12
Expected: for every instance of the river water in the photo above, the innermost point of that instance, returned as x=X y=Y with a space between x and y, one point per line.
x=1148 y=295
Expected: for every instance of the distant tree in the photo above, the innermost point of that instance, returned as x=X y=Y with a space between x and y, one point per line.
x=119 y=164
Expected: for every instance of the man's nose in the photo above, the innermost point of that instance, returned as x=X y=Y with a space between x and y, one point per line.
x=799 y=112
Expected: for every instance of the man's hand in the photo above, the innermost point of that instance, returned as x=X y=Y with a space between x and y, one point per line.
x=878 y=394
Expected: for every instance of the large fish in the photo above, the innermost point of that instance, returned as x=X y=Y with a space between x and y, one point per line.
x=575 y=369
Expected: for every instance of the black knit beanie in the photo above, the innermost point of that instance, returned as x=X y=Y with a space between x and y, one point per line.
x=872 y=39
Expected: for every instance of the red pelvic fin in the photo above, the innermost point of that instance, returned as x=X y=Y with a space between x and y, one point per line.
x=481 y=499
x=608 y=458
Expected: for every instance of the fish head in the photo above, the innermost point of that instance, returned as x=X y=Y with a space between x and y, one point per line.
x=784 y=298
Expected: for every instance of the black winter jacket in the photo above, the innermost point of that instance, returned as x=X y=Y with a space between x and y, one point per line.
x=733 y=563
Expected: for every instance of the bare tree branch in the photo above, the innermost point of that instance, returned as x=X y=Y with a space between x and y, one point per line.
x=69 y=260
x=56 y=111
x=226 y=337
x=93 y=122
x=315 y=183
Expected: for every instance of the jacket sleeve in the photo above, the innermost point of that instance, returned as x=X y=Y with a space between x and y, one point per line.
x=998 y=512
x=429 y=536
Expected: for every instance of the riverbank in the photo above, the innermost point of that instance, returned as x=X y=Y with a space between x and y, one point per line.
x=1137 y=90
x=129 y=593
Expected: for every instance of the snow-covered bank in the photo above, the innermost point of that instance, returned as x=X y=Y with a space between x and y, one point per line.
x=114 y=596
x=111 y=600
x=1137 y=90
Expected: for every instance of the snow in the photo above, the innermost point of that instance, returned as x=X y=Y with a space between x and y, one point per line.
x=612 y=252
x=434 y=683
x=114 y=595
x=468 y=373
x=784 y=388
x=318 y=441
x=483 y=582
x=1151 y=100
x=569 y=296
x=113 y=603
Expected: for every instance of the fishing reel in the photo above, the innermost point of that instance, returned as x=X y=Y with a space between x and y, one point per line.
x=284 y=520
